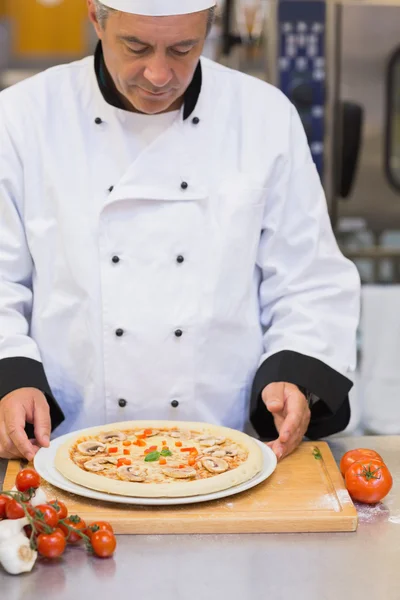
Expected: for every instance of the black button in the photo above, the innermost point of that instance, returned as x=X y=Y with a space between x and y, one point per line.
x=180 y=259
x=174 y=403
x=195 y=120
x=178 y=332
x=184 y=185
x=110 y=189
x=122 y=402
x=119 y=332
x=98 y=121
x=115 y=259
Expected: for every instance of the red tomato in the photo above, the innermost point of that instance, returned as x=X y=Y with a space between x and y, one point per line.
x=26 y=479
x=63 y=533
x=60 y=507
x=3 y=502
x=104 y=543
x=14 y=509
x=77 y=524
x=97 y=526
x=353 y=456
x=51 y=545
x=368 y=481
x=46 y=513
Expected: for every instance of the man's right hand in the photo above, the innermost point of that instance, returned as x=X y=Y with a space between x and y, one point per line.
x=26 y=405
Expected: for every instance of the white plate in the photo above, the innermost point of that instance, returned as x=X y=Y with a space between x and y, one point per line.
x=44 y=465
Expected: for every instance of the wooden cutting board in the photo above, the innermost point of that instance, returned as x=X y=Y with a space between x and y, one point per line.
x=306 y=493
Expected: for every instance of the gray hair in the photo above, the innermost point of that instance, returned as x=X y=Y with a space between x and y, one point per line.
x=103 y=12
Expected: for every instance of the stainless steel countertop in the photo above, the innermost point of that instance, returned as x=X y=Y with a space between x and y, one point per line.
x=361 y=565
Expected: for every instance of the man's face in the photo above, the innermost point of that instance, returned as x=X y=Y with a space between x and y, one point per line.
x=152 y=59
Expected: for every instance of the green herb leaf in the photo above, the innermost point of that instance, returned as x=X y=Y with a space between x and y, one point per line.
x=166 y=453
x=152 y=456
x=317 y=454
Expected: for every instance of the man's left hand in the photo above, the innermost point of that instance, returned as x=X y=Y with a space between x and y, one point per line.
x=291 y=414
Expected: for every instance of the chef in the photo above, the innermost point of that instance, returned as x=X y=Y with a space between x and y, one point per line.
x=165 y=247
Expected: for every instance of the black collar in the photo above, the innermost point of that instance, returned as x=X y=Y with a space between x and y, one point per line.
x=111 y=96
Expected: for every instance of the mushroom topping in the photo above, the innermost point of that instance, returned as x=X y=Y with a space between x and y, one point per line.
x=99 y=464
x=231 y=450
x=183 y=434
x=132 y=473
x=208 y=440
x=215 y=465
x=112 y=436
x=147 y=432
x=185 y=473
x=215 y=451
x=91 y=448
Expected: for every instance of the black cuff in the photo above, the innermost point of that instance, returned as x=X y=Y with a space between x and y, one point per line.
x=20 y=372
x=329 y=415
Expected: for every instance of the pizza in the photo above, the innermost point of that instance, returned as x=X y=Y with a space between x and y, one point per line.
x=159 y=458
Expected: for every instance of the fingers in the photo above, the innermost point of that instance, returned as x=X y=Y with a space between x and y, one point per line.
x=14 y=415
x=7 y=448
x=41 y=420
x=292 y=421
x=295 y=425
x=273 y=397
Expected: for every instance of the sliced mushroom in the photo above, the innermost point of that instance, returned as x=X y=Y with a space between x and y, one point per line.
x=132 y=473
x=183 y=434
x=142 y=432
x=91 y=448
x=215 y=465
x=231 y=450
x=99 y=464
x=215 y=451
x=112 y=436
x=206 y=441
x=209 y=440
x=185 y=473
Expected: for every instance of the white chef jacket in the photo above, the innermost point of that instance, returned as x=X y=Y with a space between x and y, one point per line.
x=166 y=277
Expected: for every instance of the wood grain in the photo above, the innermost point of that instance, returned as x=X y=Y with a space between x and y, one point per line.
x=305 y=494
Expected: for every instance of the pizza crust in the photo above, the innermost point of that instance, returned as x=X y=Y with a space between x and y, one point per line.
x=245 y=471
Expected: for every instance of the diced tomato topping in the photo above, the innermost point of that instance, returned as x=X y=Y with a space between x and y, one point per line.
x=148 y=431
x=127 y=443
x=178 y=444
x=123 y=461
x=113 y=450
x=163 y=461
x=126 y=451
x=139 y=443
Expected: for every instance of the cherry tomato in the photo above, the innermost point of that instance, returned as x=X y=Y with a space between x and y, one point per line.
x=46 y=513
x=77 y=524
x=51 y=545
x=104 y=543
x=98 y=526
x=60 y=507
x=353 y=456
x=62 y=531
x=3 y=502
x=368 y=481
x=14 y=509
x=26 y=479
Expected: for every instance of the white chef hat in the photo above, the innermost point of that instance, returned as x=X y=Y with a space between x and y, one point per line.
x=159 y=8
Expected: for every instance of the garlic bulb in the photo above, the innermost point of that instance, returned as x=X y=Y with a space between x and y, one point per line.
x=16 y=555
x=39 y=497
x=10 y=528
